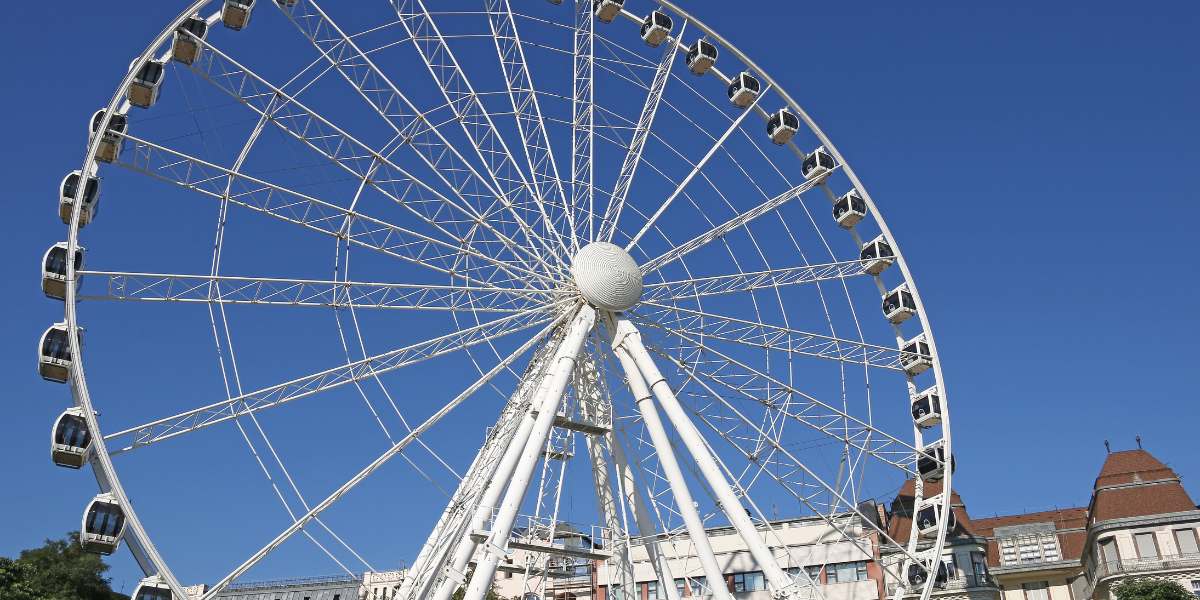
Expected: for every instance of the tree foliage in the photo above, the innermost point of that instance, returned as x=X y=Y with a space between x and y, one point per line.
x=59 y=570
x=1147 y=589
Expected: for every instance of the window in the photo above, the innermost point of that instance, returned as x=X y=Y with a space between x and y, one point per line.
x=1186 y=540
x=845 y=572
x=1036 y=591
x=1008 y=552
x=699 y=586
x=811 y=575
x=1108 y=551
x=652 y=591
x=1196 y=587
x=1147 y=549
x=978 y=564
x=613 y=592
x=1029 y=549
x=748 y=582
x=681 y=587
x=951 y=569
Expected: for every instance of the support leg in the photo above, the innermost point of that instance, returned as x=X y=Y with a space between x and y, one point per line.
x=666 y=458
x=560 y=372
x=628 y=339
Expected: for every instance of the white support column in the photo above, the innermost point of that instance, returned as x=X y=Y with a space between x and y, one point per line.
x=641 y=516
x=608 y=510
x=491 y=498
x=628 y=338
x=496 y=546
x=666 y=459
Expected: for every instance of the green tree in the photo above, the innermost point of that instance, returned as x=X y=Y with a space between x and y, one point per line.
x=14 y=581
x=1146 y=589
x=59 y=570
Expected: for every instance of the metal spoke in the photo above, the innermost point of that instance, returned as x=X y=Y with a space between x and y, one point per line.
x=258 y=195
x=719 y=231
x=528 y=112
x=413 y=128
x=582 y=116
x=299 y=292
x=393 y=451
x=212 y=414
x=701 y=287
x=634 y=156
x=673 y=319
x=372 y=167
x=468 y=110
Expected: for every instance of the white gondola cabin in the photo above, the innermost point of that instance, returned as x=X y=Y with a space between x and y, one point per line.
x=235 y=14
x=103 y=525
x=91 y=198
x=147 y=83
x=899 y=305
x=918 y=574
x=607 y=10
x=931 y=462
x=927 y=408
x=817 y=165
x=927 y=517
x=70 y=440
x=111 y=143
x=782 y=126
x=700 y=57
x=152 y=588
x=849 y=210
x=185 y=47
x=915 y=356
x=878 y=254
x=54 y=270
x=54 y=353
x=743 y=89
x=656 y=28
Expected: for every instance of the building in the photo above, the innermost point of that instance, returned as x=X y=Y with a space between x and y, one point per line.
x=1140 y=523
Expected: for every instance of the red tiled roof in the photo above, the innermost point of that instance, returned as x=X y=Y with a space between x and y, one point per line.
x=1138 y=470
x=901 y=522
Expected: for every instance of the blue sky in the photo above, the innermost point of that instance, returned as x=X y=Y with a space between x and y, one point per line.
x=1036 y=161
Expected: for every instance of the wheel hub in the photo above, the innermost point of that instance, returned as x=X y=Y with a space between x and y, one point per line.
x=607 y=276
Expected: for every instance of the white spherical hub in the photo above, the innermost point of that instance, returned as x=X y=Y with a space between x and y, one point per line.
x=607 y=276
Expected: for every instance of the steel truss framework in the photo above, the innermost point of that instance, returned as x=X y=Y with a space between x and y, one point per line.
x=702 y=404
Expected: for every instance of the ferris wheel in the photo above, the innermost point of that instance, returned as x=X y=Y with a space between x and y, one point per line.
x=593 y=242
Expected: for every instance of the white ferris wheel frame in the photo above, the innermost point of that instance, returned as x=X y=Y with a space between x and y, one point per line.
x=634 y=356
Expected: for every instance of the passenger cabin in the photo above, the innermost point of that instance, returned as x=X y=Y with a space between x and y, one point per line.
x=700 y=57
x=54 y=270
x=915 y=356
x=185 y=47
x=146 y=85
x=931 y=462
x=91 y=198
x=782 y=126
x=152 y=588
x=899 y=305
x=70 y=440
x=878 y=255
x=54 y=353
x=927 y=408
x=927 y=517
x=743 y=90
x=656 y=28
x=607 y=10
x=235 y=14
x=918 y=574
x=849 y=210
x=817 y=165
x=111 y=144
x=103 y=525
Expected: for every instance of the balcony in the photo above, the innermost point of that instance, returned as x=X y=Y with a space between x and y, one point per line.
x=1127 y=567
x=965 y=582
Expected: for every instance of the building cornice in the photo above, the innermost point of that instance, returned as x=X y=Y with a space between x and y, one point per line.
x=1058 y=565
x=1118 y=486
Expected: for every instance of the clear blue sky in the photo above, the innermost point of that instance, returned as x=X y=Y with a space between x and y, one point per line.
x=1039 y=165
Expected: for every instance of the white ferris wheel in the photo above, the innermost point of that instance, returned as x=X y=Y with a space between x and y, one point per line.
x=599 y=226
